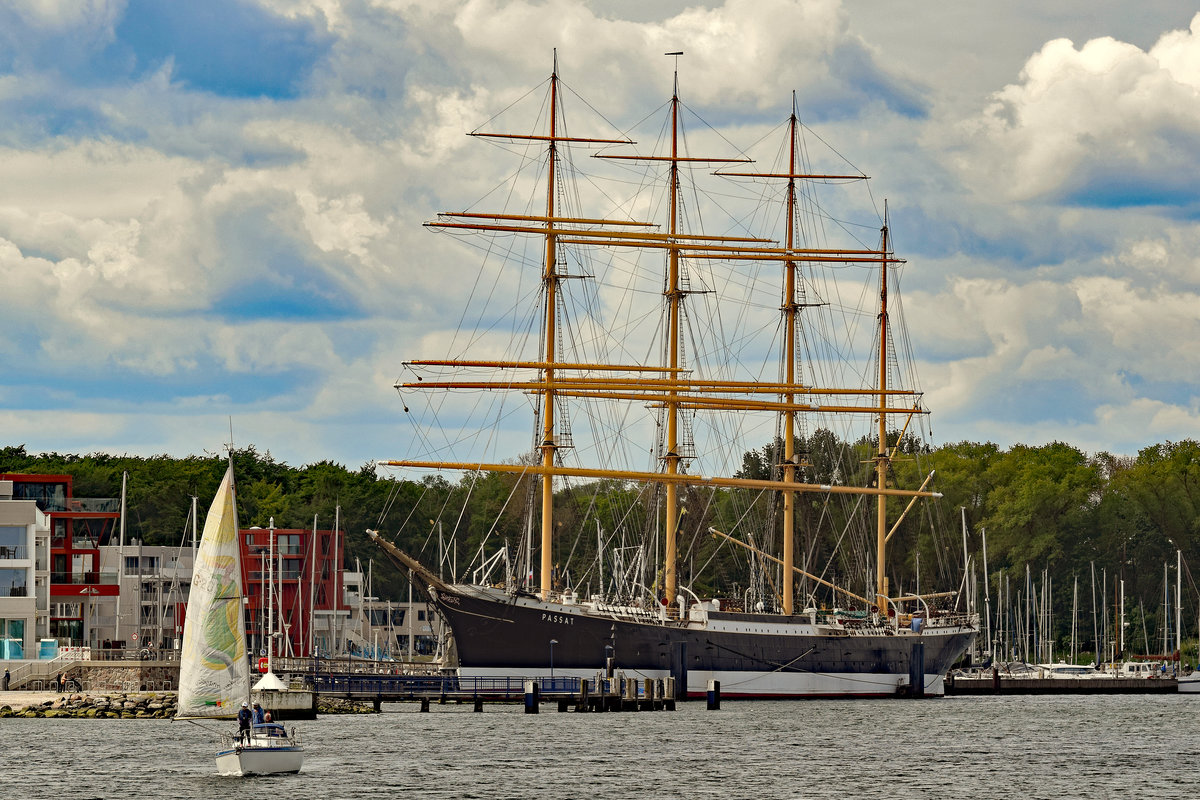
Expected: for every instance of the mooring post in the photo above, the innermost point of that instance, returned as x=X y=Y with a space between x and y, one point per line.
x=679 y=672
x=714 y=695
x=478 y=704
x=532 y=696
x=425 y=704
x=582 y=705
x=916 y=671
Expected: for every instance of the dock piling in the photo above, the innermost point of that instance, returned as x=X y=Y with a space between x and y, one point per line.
x=532 y=696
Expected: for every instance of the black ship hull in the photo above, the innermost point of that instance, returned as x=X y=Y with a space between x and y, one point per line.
x=753 y=655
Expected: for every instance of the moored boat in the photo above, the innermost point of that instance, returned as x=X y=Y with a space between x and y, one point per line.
x=796 y=632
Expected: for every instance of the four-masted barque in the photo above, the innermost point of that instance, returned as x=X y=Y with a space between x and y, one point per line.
x=867 y=642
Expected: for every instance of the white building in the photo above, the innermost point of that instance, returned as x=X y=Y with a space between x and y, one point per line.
x=148 y=613
x=24 y=575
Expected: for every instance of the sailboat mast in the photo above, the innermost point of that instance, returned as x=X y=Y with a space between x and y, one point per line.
x=550 y=277
x=672 y=401
x=789 y=367
x=1178 y=609
x=881 y=462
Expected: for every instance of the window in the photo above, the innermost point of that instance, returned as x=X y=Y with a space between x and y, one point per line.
x=131 y=563
x=12 y=541
x=60 y=533
x=13 y=583
x=291 y=568
x=49 y=496
x=421 y=615
x=12 y=629
x=287 y=543
x=67 y=631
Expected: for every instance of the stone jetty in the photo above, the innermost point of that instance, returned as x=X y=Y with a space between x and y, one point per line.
x=127 y=705
x=109 y=705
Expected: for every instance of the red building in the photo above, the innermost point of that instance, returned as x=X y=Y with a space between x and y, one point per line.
x=310 y=608
x=79 y=528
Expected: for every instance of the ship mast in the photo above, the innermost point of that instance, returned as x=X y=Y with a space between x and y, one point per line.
x=550 y=277
x=550 y=226
x=674 y=293
x=674 y=298
x=790 y=310
x=882 y=461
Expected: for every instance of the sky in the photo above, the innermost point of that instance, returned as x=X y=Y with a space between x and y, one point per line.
x=211 y=213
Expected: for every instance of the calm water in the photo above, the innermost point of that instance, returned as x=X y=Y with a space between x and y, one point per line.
x=1014 y=747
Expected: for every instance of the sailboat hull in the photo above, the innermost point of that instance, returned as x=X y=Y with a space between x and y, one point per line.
x=259 y=761
x=753 y=655
x=269 y=751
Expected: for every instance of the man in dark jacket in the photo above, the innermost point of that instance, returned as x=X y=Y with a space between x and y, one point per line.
x=243 y=718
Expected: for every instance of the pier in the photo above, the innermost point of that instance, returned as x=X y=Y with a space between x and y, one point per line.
x=997 y=685
x=597 y=694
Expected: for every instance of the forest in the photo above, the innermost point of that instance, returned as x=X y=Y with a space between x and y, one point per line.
x=1051 y=512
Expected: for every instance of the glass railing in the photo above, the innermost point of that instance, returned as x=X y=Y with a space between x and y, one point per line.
x=88 y=505
x=14 y=551
x=93 y=578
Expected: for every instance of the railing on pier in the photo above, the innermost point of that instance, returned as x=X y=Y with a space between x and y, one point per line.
x=413 y=687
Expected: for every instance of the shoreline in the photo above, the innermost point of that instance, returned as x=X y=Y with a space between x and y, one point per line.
x=100 y=705
x=125 y=705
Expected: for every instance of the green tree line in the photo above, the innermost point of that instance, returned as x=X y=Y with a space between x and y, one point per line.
x=1052 y=508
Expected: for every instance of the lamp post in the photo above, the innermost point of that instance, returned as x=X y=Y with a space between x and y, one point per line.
x=552 y=643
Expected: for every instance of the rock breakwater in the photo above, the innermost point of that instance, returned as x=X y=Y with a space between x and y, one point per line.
x=114 y=705
x=127 y=705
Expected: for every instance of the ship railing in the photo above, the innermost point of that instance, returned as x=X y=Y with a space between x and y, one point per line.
x=602 y=608
x=417 y=686
x=260 y=737
x=949 y=619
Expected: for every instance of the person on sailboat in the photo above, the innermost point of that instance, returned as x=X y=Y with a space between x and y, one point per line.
x=243 y=718
x=258 y=714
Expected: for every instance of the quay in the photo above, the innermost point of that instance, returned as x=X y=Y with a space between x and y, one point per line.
x=997 y=685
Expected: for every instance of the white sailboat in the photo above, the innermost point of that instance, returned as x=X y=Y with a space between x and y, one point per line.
x=214 y=674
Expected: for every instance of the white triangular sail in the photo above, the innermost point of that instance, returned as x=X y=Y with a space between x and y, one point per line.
x=214 y=675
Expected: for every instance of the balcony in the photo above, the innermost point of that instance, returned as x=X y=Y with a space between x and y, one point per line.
x=92 y=578
x=83 y=505
x=14 y=551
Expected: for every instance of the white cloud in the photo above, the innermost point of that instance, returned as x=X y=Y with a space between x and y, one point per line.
x=148 y=231
x=56 y=15
x=1105 y=123
x=738 y=52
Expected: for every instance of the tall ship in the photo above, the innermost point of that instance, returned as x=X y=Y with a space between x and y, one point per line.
x=657 y=357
